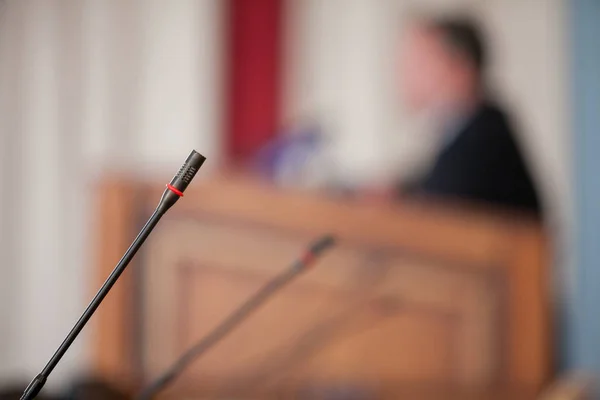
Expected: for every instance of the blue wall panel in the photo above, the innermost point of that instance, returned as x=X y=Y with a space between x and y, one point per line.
x=583 y=329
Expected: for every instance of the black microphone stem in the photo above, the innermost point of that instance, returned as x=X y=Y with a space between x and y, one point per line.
x=236 y=318
x=219 y=333
x=36 y=385
x=170 y=196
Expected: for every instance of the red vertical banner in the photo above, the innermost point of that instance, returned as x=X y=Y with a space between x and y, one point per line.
x=254 y=74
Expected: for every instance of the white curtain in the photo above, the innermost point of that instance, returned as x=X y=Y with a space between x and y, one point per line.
x=87 y=86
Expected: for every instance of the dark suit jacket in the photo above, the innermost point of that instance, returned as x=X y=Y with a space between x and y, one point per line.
x=483 y=163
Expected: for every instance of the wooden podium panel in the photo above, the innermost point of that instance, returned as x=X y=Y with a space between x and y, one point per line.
x=413 y=295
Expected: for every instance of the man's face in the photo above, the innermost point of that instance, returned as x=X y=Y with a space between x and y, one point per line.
x=425 y=69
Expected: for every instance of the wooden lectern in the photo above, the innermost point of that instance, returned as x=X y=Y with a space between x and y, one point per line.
x=416 y=301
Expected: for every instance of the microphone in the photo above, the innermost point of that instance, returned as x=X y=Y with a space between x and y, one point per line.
x=238 y=316
x=172 y=193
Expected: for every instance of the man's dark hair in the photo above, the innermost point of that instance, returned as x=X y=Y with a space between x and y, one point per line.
x=463 y=36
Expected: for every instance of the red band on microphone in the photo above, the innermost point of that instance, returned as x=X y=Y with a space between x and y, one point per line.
x=308 y=259
x=174 y=190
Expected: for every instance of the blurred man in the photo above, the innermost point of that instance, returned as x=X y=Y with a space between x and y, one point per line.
x=444 y=67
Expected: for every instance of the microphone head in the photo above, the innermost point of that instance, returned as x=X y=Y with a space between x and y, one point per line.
x=187 y=171
x=322 y=244
x=181 y=181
